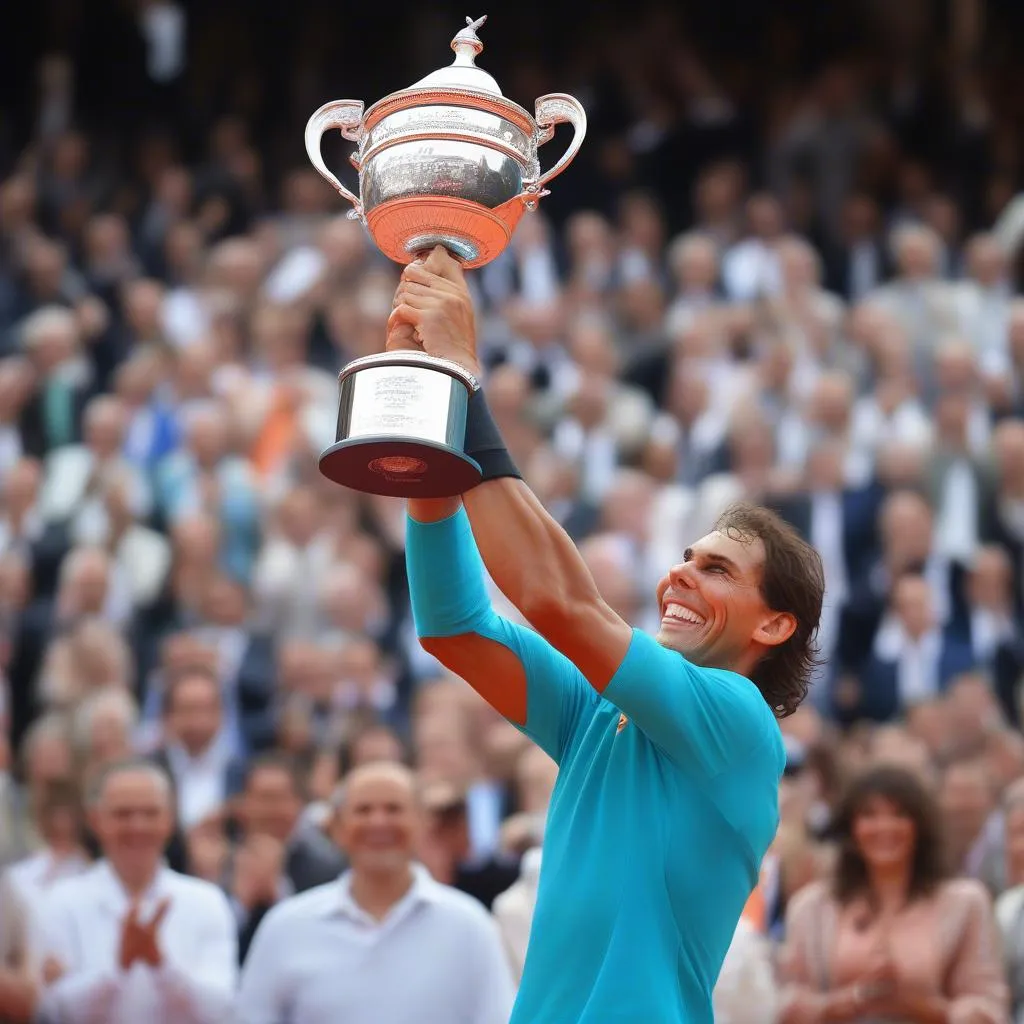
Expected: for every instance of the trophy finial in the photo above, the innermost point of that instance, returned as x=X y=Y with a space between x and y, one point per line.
x=467 y=43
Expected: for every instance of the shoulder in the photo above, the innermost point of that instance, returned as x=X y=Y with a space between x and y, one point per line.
x=457 y=907
x=76 y=893
x=809 y=900
x=968 y=894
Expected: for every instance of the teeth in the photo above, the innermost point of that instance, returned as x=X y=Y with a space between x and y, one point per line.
x=677 y=611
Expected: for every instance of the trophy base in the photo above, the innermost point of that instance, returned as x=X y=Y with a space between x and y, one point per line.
x=403 y=228
x=402 y=426
x=399 y=469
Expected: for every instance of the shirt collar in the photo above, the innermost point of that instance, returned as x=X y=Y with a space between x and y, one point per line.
x=114 y=898
x=423 y=890
x=211 y=759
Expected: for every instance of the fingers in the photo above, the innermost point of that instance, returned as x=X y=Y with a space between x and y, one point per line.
x=442 y=263
x=420 y=273
x=161 y=912
x=401 y=330
x=53 y=970
x=404 y=313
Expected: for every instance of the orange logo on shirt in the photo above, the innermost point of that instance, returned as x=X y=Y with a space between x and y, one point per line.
x=622 y=723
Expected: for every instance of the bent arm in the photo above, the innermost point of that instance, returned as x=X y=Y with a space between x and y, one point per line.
x=203 y=992
x=538 y=568
x=78 y=995
x=513 y=668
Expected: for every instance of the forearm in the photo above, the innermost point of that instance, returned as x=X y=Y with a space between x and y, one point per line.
x=529 y=556
x=446 y=575
x=88 y=995
x=194 y=1000
x=924 y=1009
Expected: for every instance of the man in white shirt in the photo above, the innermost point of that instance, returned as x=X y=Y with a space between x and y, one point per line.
x=385 y=942
x=130 y=940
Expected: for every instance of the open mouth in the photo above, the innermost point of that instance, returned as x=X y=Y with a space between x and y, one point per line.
x=680 y=614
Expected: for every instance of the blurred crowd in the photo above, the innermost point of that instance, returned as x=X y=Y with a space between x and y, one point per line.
x=820 y=315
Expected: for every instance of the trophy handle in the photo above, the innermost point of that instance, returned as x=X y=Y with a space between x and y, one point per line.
x=348 y=116
x=559 y=108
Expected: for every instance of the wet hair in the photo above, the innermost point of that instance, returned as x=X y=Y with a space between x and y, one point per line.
x=906 y=791
x=792 y=581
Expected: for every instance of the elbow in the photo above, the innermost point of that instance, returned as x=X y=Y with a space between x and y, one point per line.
x=550 y=612
x=439 y=647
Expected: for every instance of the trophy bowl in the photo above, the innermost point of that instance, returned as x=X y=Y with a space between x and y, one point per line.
x=449 y=161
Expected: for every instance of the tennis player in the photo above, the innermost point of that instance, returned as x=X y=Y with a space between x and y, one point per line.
x=668 y=747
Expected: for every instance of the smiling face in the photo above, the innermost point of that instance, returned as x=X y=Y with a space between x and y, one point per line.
x=712 y=609
x=133 y=821
x=884 y=834
x=378 y=823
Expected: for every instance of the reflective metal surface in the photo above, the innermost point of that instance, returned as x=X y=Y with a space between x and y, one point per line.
x=449 y=160
x=441 y=168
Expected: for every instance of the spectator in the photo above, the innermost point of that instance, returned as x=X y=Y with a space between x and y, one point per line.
x=851 y=950
x=194 y=753
x=277 y=854
x=157 y=941
x=437 y=956
x=61 y=826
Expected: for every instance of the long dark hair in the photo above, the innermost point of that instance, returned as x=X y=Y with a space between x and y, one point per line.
x=792 y=581
x=907 y=792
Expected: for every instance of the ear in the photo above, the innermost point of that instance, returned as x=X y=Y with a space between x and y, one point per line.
x=775 y=629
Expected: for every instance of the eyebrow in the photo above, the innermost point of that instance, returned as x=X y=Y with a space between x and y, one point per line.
x=688 y=556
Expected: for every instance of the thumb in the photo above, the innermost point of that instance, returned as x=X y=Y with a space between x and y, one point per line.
x=401 y=333
x=442 y=263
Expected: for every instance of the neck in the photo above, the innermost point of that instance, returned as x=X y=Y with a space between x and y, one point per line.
x=890 y=886
x=194 y=751
x=378 y=893
x=136 y=880
x=61 y=849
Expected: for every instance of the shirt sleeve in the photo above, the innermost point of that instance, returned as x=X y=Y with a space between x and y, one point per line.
x=703 y=719
x=79 y=995
x=262 y=996
x=449 y=598
x=203 y=992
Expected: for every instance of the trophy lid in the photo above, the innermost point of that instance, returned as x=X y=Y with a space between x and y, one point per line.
x=463 y=73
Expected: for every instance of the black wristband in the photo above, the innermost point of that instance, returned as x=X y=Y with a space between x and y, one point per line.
x=483 y=441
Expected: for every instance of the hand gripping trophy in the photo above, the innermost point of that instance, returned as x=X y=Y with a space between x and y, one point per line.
x=449 y=161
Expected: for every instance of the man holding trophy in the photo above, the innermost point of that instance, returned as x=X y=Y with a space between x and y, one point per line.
x=668 y=747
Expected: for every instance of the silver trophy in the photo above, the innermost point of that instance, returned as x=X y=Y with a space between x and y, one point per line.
x=452 y=162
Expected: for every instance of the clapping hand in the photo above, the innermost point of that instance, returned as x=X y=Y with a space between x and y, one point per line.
x=138 y=940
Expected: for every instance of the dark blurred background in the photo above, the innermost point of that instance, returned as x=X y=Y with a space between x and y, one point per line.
x=668 y=87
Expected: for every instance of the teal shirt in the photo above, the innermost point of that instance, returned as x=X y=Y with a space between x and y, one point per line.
x=655 y=833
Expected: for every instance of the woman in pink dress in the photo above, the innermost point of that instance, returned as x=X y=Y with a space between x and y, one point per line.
x=890 y=937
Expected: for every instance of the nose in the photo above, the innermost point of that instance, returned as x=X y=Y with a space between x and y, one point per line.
x=683 y=576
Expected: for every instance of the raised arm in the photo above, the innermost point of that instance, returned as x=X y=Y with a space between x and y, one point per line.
x=516 y=671
x=696 y=719
x=528 y=555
